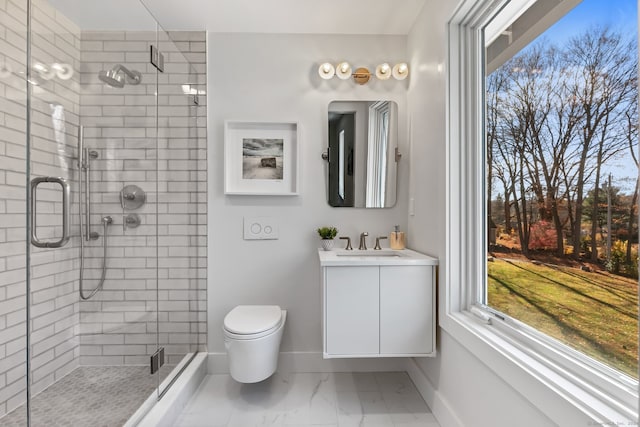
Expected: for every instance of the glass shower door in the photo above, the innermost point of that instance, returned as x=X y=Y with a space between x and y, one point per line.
x=53 y=113
x=13 y=201
x=181 y=196
x=93 y=296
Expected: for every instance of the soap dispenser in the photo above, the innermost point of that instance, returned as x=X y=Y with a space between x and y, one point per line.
x=396 y=240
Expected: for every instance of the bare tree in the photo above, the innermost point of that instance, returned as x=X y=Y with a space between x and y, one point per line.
x=632 y=139
x=554 y=116
x=495 y=86
x=542 y=120
x=602 y=76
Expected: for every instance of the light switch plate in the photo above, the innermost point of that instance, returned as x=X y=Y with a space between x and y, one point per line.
x=260 y=228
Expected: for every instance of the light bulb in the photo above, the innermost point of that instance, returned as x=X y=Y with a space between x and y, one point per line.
x=343 y=70
x=326 y=71
x=400 y=71
x=383 y=71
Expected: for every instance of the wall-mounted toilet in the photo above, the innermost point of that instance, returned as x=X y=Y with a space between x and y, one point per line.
x=252 y=335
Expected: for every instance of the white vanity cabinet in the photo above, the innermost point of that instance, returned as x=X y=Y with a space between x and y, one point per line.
x=352 y=315
x=378 y=305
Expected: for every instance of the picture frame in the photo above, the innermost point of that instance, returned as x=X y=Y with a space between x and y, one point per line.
x=261 y=158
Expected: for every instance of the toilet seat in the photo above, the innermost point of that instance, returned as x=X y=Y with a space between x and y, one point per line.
x=246 y=322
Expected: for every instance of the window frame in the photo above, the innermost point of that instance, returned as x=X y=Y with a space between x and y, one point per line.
x=377 y=147
x=527 y=359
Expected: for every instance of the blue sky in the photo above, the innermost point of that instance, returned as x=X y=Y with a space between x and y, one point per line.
x=619 y=14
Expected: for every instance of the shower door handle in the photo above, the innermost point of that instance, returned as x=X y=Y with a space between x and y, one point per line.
x=66 y=211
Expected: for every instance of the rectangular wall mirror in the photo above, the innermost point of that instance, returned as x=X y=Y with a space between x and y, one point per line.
x=362 y=154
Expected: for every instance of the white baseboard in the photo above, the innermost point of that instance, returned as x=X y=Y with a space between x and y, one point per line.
x=313 y=362
x=439 y=406
x=217 y=364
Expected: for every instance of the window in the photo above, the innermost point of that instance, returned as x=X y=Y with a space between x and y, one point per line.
x=561 y=141
x=341 y=164
x=542 y=209
x=377 y=154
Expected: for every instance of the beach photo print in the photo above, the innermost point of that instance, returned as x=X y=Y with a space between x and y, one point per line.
x=262 y=158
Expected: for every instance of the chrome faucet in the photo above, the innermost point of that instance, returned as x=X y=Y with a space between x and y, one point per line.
x=363 y=241
x=348 y=247
x=377 y=247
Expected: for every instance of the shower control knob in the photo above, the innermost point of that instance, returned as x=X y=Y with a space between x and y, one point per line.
x=131 y=221
x=132 y=197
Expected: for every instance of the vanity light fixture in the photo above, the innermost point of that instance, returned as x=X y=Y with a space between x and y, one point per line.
x=383 y=71
x=343 y=70
x=400 y=71
x=326 y=71
x=362 y=75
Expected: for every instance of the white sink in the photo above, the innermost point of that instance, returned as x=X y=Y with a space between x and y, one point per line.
x=341 y=257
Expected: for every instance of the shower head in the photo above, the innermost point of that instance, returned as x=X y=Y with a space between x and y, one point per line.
x=115 y=77
x=111 y=78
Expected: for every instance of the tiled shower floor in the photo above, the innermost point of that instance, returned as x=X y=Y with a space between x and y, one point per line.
x=91 y=396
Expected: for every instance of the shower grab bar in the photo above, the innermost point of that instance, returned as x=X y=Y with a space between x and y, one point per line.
x=82 y=169
x=87 y=194
x=84 y=165
x=66 y=211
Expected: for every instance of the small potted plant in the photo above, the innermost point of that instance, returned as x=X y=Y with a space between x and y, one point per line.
x=327 y=234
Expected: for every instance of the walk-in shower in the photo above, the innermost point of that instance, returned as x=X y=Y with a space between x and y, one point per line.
x=118 y=75
x=96 y=289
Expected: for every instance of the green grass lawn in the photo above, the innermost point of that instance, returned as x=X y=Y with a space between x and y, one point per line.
x=594 y=312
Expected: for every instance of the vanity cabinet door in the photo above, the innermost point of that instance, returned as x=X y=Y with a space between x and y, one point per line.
x=406 y=310
x=352 y=301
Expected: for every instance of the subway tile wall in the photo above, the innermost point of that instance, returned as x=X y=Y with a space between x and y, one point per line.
x=133 y=136
x=122 y=323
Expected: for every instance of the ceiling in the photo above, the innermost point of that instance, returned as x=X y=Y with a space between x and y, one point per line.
x=248 y=16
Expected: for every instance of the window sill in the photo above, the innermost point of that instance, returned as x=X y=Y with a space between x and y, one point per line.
x=564 y=397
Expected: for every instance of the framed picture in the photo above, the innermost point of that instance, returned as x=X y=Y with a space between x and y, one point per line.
x=261 y=158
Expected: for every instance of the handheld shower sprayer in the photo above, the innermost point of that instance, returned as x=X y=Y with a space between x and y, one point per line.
x=85 y=155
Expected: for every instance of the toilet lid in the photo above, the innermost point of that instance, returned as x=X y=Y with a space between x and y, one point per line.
x=252 y=319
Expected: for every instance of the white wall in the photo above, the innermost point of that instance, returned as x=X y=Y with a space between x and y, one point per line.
x=274 y=77
x=461 y=383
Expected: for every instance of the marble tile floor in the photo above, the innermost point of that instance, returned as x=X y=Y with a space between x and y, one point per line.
x=381 y=399
x=90 y=396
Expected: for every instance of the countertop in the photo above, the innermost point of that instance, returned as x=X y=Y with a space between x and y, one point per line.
x=355 y=257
